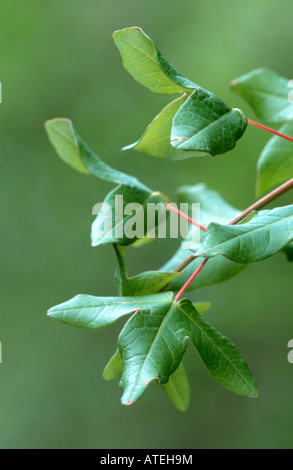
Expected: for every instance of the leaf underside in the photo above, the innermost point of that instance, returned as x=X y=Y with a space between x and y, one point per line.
x=144 y=62
x=156 y=139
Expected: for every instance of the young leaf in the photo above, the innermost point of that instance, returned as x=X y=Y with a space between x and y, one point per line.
x=152 y=347
x=149 y=282
x=156 y=139
x=114 y=225
x=145 y=63
x=275 y=165
x=177 y=388
x=87 y=311
x=267 y=93
x=73 y=150
x=267 y=233
x=113 y=369
x=207 y=125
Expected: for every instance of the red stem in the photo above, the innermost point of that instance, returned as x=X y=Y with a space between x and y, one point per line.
x=268 y=129
x=191 y=279
x=256 y=206
x=184 y=216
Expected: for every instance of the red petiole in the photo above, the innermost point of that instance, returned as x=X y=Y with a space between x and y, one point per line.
x=268 y=129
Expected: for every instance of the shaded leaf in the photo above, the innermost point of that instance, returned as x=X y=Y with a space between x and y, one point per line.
x=267 y=93
x=248 y=218
x=149 y=282
x=145 y=63
x=275 y=165
x=87 y=311
x=213 y=208
x=152 y=347
x=113 y=369
x=156 y=139
x=206 y=124
x=267 y=233
x=177 y=388
x=216 y=271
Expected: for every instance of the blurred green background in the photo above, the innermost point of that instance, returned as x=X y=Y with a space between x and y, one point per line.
x=58 y=59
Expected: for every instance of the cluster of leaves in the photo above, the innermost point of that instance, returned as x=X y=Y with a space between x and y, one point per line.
x=154 y=339
x=268 y=94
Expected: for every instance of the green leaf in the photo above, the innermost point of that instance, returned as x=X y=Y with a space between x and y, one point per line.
x=149 y=282
x=113 y=369
x=220 y=356
x=87 y=311
x=177 y=388
x=267 y=93
x=267 y=233
x=110 y=224
x=73 y=150
x=152 y=347
x=206 y=124
x=145 y=63
x=275 y=165
x=156 y=139
x=216 y=271
x=289 y=251
x=63 y=138
x=213 y=208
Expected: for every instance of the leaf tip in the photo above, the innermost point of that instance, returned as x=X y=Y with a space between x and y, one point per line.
x=123 y=30
x=135 y=310
x=58 y=119
x=254 y=394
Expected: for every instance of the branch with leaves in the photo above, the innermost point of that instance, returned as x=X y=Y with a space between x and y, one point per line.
x=154 y=339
